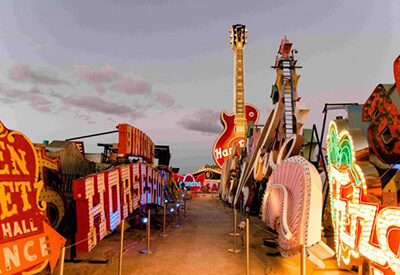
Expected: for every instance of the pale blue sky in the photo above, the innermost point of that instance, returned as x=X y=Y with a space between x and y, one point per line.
x=71 y=68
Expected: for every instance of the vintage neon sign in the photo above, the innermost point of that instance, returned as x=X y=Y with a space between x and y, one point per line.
x=364 y=229
x=224 y=152
x=134 y=142
x=190 y=181
x=294 y=197
x=27 y=241
x=103 y=199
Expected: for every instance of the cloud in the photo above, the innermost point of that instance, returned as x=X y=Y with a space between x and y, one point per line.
x=23 y=73
x=126 y=83
x=97 y=104
x=204 y=120
x=97 y=77
x=34 y=97
x=164 y=99
x=132 y=84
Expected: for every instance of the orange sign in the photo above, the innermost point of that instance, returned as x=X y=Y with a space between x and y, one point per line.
x=134 y=142
x=27 y=242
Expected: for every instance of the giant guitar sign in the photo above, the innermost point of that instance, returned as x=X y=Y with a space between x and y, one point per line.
x=235 y=124
x=27 y=242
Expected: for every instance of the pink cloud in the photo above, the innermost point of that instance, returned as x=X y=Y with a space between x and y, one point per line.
x=35 y=99
x=105 y=74
x=164 y=98
x=97 y=104
x=97 y=77
x=132 y=84
x=20 y=72
x=23 y=73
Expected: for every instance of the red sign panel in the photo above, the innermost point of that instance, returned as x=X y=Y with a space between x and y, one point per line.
x=134 y=142
x=26 y=240
x=103 y=199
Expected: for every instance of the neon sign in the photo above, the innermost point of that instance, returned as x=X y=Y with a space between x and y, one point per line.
x=223 y=153
x=103 y=199
x=190 y=183
x=364 y=229
x=27 y=241
x=134 y=142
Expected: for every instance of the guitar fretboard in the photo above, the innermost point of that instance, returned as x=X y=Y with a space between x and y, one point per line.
x=240 y=119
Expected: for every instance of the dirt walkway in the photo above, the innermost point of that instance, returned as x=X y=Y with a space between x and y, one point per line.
x=199 y=246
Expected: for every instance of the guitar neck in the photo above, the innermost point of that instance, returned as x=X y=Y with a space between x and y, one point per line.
x=240 y=119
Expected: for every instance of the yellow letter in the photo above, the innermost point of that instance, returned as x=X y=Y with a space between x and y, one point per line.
x=5 y=200
x=5 y=170
x=18 y=159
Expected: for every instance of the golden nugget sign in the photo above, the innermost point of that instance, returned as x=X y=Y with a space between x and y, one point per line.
x=364 y=229
x=27 y=242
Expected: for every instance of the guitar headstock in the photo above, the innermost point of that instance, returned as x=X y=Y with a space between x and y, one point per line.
x=238 y=36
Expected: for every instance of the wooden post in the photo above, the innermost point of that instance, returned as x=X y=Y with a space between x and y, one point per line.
x=121 y=248
x=62 y=261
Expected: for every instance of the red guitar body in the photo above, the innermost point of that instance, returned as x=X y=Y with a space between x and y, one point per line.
x=224 y=143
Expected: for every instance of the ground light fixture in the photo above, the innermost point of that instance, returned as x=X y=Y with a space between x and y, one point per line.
x=176 y=225
x=165 y=201
x=171 y=210
x=147 y=222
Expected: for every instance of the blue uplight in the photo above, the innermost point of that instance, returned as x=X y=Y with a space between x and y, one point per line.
x=165 y=201
x=145 y=220
x=178 y=204
x=171 y=210
x=183 y=195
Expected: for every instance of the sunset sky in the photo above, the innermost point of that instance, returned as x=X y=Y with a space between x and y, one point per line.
x=71 y=68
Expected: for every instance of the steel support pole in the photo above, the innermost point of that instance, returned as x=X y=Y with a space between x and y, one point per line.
x=234 y=233
x=176 y=225
x=247 y=247
x=303 y=258
x=62 y=261
x=164 y=223
x=148 y=251
x=121 y=247
x=234 y=249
